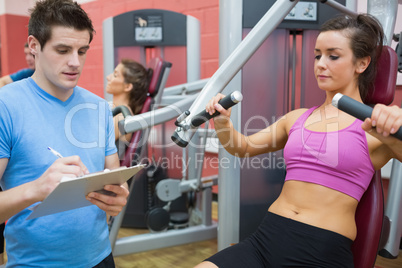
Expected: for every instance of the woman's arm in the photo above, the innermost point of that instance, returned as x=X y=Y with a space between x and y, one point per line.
x=117 y=133
x=5 y=80
x=270 y=139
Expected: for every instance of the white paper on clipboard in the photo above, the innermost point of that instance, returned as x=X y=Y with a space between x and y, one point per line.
x=71 y=192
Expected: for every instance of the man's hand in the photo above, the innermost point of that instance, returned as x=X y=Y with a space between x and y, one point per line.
x=71 y=166
x=112 y=201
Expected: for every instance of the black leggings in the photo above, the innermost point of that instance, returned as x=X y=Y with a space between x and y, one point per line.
x=282 y=242
x=2 y=226
x=107 y=262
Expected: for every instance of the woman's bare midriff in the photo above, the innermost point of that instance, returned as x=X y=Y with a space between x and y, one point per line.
x=318 y=206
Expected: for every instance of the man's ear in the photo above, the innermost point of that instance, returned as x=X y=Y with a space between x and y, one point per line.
x=33 y=45
x=362 y=64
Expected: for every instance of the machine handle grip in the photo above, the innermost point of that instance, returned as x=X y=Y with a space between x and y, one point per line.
x=227 y=102
x=357 y=109
x=121 y=109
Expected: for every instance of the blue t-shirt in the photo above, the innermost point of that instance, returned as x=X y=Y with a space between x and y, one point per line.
x=21 y=74
x=32 y=120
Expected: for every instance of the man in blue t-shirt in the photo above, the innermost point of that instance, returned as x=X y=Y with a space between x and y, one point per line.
x=23 y=73
x=50 y=110
x=7 y=79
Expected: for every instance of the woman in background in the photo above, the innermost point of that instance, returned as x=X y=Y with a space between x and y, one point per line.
x=129 y=86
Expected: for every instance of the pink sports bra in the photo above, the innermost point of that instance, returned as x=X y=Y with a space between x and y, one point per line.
x=336 y=159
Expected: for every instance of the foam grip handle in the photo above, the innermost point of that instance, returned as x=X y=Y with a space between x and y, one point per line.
x=227 y=102
x=121 y=109
x=357 y=109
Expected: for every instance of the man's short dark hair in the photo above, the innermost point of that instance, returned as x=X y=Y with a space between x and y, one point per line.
x=48 y=13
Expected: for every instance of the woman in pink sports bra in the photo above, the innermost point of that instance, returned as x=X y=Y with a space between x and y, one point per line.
x=330 y=157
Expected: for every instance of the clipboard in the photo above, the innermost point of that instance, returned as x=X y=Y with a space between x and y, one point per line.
x=71 y=192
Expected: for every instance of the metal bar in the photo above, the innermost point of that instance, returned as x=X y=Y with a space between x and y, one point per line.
x=156 y=117
x=170 y=100
x=193 y=36
x=293 y=89
x=185 y=88
x=393 y=211
x=230 y=37
x=386 y=13
x=108 y=53
x=207 y=207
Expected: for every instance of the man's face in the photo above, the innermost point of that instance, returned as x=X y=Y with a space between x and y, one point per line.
x=60 y=62
x=29 y=58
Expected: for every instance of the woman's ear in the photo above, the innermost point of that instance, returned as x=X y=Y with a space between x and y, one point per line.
x=128 y=87
x=362 y=64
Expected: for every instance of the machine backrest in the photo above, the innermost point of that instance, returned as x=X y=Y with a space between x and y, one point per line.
x=385 y=82
x=160 y=73
x=370 y=211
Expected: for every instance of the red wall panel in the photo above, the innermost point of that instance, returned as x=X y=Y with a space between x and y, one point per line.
x=206 y=12
x=13 y=35
x=398 y=96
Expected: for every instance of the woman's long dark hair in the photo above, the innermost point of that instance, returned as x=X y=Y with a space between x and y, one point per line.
x=136 y=74
x=366 y=39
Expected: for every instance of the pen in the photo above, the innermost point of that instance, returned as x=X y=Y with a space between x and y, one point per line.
x=55 y=152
